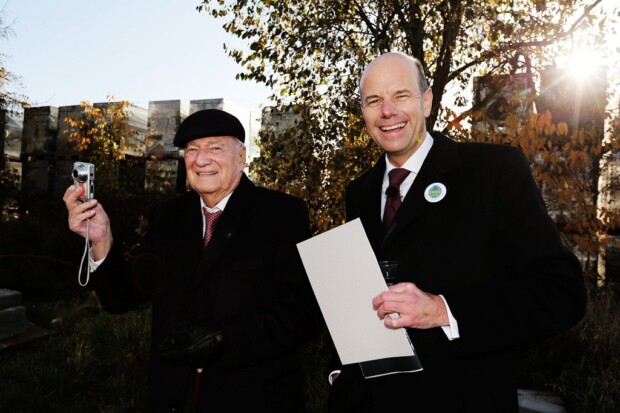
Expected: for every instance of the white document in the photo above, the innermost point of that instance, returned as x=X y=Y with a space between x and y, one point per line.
x=345 y=277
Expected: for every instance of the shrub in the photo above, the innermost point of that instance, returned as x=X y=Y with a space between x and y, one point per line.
x=581 y=365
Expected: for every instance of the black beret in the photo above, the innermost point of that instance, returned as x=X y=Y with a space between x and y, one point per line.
x=206 y=123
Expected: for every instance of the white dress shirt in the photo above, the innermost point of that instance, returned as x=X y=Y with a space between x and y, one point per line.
x=413 y=165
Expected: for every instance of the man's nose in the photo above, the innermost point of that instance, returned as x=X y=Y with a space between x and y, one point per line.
x=204 y=157
x=388 y=108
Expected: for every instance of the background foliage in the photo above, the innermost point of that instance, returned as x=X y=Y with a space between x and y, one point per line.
x=102 y=136
x=312 y=54
x=10 y=97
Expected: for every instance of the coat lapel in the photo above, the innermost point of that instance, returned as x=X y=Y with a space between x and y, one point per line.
x=370 y=212
x=191 y=226
x=442 y=159
x=235 y=215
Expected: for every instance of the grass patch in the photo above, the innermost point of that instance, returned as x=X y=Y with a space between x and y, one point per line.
x=90 y=361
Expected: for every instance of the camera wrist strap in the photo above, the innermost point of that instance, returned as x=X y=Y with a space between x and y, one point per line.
x=86 y=253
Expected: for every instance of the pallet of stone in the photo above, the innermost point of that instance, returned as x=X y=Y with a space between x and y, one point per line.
x=12 y=314
x=14 y=326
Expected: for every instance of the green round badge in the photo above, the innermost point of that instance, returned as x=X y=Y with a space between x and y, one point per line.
x=435 y=192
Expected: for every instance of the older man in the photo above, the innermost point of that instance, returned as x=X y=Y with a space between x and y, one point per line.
x=231 y=302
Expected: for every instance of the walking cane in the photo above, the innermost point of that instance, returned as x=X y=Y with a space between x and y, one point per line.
x=196 y=394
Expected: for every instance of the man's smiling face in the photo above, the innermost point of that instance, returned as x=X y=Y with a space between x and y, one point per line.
x=214 y=166
x=393 y=106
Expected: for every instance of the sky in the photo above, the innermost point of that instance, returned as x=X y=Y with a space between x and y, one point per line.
x=67 y=51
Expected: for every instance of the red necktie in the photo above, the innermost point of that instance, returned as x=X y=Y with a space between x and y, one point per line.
x=211 y=219
x=392 y=203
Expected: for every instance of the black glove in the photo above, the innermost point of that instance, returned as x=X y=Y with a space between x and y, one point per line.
x=192 y=343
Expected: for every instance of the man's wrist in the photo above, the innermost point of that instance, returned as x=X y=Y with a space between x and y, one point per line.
x=452 y=328
x=101 y=249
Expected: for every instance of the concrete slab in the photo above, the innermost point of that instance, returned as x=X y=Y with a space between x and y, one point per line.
x=535 y=401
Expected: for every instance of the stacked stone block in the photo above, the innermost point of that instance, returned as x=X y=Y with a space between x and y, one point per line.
x=165 y=116
x=38 y=148
x=11 y=128
x=45 y=156
x=12 y=314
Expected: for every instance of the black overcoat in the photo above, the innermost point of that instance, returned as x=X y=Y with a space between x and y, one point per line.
x=249 y=282
x=490 y=248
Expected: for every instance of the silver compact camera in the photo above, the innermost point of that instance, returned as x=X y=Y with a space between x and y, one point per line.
x=84 y=176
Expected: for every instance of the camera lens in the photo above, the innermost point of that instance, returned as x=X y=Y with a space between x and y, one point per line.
x=80 y=174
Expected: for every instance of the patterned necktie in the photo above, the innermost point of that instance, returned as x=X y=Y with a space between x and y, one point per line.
x=392 y=203
x=211 y=219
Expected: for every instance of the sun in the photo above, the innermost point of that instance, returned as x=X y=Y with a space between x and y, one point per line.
x=584 y=63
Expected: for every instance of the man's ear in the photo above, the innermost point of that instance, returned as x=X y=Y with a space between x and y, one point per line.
x=427 y=100
x=242 y=157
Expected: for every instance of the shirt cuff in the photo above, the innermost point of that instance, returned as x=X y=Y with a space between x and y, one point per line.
x=92 y=264
x=452 y=329
x=330 y=378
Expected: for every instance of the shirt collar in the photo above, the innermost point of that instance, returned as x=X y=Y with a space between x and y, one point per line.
x=219 y=206
x=415 y=161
